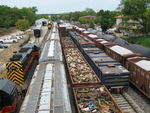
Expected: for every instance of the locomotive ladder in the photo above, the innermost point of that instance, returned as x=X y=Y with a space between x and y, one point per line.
x=126 y=103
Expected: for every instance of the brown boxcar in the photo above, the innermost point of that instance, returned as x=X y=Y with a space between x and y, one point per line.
x=140 y=73
x=139 y=76
x=119 y=53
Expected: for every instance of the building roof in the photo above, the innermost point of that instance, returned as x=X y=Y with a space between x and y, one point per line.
x=89 y=17
x=121 y=16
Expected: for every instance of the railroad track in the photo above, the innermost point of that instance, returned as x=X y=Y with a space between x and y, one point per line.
x=46 y=37
x=127 y=104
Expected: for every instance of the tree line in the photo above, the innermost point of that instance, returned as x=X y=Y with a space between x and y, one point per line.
x=21 y=18
x=9 y=16
x=136 y=10
x=105 y=18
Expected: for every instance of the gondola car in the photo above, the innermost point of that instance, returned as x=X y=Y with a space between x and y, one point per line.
x=87 y=88
x=19 y=64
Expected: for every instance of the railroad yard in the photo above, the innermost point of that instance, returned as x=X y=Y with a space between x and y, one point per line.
x=63 y=68
x=75 y=56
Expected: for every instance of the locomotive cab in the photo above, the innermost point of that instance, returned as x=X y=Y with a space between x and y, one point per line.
x=8 y=96
x=37 y=31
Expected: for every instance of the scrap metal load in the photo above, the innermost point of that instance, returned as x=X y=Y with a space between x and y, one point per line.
x=94 y=100
x=90 y=95
x=79 y=70
x=67 y=43
x=134 y=62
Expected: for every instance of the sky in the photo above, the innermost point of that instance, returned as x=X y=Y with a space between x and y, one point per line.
x=63 y=6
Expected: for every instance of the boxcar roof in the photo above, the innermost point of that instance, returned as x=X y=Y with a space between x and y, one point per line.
x=145 y=64
x=86 y=32
x=92 y=36
x=120 y=50
x=103 y=42
x=133 y=47
x=100 y=39
x=81 y=29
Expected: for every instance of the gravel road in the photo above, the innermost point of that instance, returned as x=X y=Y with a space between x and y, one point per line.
x=140 y=99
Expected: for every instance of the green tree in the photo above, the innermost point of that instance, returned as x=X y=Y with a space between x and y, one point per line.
x=84 y=20
x=9 y=16
x=137 y=10
x=106 y=19
x=28 y=14
x=90 y=11
x=91 y=25
x=22 y=24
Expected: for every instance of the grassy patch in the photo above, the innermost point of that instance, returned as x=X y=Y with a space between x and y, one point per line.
x=144 y=41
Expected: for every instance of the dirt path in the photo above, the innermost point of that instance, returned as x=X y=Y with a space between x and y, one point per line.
x=10 y=32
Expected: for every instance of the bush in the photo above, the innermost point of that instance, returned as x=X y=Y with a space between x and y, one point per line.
x=2 y=30
x=92 y=25
x=144 y=41
x=84 y=20
x=22 y=24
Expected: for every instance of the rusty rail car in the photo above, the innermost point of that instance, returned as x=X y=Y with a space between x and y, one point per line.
x=95 y=99
x=80 y=72
x=140 y=77
x=66 y=43
x=84 y=78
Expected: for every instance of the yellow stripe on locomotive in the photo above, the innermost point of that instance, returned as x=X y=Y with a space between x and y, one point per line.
x=50 y=26
x=15 y=72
